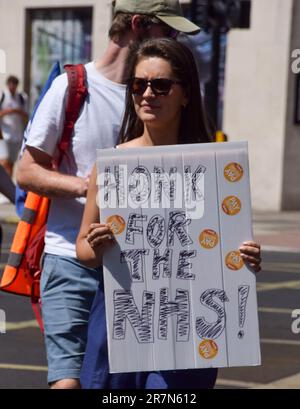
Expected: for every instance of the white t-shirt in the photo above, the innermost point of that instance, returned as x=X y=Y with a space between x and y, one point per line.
x=12 y=125
x=97 y=127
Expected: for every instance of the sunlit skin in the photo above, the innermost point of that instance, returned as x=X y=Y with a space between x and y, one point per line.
x=161 y=118
x=160 y=114
x=12 y=88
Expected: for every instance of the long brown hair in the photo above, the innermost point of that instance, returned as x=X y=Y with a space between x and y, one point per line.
x=193 y=126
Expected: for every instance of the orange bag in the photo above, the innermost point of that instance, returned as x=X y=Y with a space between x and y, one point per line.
x=22 y=272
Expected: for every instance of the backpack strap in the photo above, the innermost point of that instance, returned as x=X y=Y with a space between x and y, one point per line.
x=77 y=92
x=2 y=99
x=20 y=96
x=22 y=99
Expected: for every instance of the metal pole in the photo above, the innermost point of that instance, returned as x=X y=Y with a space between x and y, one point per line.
x=212 y=88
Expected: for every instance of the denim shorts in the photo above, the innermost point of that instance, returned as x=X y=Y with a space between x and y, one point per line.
x=67 y=292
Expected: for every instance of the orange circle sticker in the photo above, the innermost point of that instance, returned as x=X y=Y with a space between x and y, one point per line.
x=208 y=239
x=117 y=223
x=233 y=172
x=234 y=260
x=231 y=205
x=208 y=349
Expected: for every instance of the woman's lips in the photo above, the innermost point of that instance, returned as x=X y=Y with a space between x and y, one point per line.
x=149 y=107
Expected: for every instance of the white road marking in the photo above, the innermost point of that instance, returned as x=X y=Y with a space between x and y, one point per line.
x=24 y=367
x=290 y=342
x=290 y=285
x=290 y=382
x=281 y=267
x=275 y=310
x=235 y=383
x=12 y=326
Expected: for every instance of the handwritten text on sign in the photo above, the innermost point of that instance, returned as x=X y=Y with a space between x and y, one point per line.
x=178 y=294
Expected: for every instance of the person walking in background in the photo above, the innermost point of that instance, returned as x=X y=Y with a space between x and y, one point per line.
x=13 y=118
x=163 y=107
x=68 y=287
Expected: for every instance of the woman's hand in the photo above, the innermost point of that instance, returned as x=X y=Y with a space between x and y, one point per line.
x=100 y=236
x=250 y=252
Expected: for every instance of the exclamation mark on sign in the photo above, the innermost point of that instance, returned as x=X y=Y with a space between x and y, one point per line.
x=243 y=293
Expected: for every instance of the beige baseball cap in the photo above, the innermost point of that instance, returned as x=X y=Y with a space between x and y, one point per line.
x=168 y=11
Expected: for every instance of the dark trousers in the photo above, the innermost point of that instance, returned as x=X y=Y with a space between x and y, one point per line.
x=95 y=370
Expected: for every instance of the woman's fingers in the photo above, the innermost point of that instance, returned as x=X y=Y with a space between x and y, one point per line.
x=251 y=254
x=98 y=231
x=100 y=235
x=253 y=262
x=251 y=259
x=103 y=241
x=94 y=226
x=250 y=247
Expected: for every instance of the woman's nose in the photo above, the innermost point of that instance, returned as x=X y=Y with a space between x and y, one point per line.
x=148 y=91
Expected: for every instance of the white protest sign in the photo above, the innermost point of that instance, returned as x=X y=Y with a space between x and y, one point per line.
x=177 y=292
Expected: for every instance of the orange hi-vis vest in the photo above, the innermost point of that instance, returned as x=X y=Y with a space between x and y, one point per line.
x=23 y=269
x=21 y=272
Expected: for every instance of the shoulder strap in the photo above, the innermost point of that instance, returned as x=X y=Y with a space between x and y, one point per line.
x=22 y=100
x=77 y=92
x=2 y=99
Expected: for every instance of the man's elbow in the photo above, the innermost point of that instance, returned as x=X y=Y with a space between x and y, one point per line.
x=22 y=177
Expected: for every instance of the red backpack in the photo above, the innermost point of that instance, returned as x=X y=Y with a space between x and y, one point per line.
x=22 y=272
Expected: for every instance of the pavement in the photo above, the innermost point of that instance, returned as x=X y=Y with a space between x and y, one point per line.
x=277 y=232
x=278 y=289
x=8 y=213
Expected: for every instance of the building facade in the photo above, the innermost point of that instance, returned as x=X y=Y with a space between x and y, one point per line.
x=35 y=33
x=261 y=94
x=261 y=89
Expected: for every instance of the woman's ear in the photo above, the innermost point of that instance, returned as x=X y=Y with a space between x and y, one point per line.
x=137 y=25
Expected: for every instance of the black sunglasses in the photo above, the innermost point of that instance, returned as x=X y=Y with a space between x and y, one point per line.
x=159 y=86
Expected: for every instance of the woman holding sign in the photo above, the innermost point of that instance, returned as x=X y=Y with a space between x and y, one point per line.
x=163 y=107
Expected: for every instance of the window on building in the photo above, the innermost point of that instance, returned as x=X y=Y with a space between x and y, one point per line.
x=52 y=35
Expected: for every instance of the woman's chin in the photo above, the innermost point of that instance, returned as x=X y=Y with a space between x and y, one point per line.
x=149 y=118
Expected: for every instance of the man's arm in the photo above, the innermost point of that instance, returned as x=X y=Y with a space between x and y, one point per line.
x=35 y=174
x=7 y=111
x=21 y=112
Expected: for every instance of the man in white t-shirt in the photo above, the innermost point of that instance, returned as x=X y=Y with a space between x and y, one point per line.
x=67 y=287
x=13 y=117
